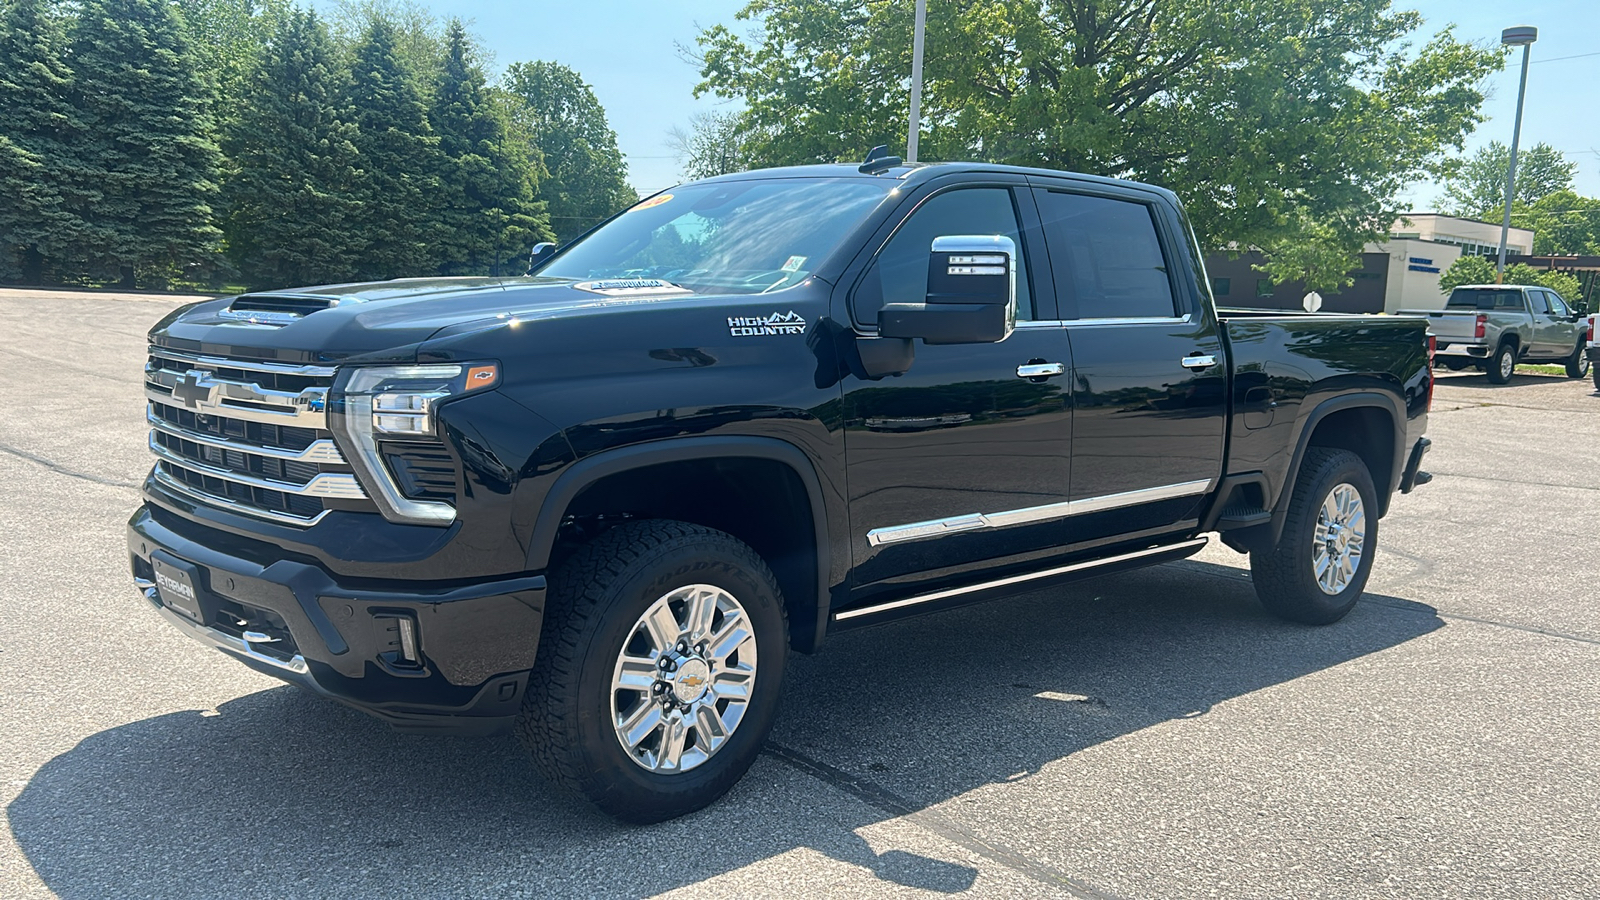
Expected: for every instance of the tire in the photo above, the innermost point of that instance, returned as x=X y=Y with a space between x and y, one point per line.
x=1503 y=364
x=1596 y=373
x=597 y=598
x=1286 y=577
x=1578 y=363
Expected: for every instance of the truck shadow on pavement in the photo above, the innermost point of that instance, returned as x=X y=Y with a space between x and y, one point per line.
x=282 y=794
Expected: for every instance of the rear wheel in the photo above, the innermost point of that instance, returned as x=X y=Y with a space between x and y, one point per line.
x=1503 y=364
x=1578 y=363
x=1318 y=569
x=659 y=670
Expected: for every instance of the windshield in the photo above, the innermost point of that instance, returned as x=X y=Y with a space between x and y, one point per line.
x=1484 y=298
x=739 y=237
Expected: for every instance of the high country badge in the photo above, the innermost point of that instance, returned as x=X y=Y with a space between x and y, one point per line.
x=777 y=323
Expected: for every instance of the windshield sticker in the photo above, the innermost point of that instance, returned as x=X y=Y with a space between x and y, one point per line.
x=757 y=326
x=794 y=264
x=631 y=287
x=657 y=200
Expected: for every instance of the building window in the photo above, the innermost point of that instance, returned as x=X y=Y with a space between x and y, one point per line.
x=1220 y=287
x=1263 y=287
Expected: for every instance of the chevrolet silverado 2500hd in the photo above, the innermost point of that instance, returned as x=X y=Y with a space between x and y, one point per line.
x=1496 y=326
x=601 y=503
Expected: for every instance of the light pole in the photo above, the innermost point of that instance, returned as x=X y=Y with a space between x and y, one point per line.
x=1524 y=36
x=916 y=80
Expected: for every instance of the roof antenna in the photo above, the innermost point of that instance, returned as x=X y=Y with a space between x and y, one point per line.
x=879 y=161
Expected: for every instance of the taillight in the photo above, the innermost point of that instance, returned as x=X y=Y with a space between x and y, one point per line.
x=1483 y=323
x=1591 y=328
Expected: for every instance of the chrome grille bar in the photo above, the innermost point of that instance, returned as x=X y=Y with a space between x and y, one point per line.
x=228 y=503
x=323 y=450
x=337 y=485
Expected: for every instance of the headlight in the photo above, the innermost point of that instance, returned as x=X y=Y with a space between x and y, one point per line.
x=398 y=403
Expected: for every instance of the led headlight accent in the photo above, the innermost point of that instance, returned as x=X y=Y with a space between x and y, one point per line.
x=399 y=402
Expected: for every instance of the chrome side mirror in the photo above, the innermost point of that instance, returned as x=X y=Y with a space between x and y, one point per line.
x=541 y=254
x=972 y=294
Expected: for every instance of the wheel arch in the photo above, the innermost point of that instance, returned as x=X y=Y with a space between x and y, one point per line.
x=804 y=580
x=1368 y=423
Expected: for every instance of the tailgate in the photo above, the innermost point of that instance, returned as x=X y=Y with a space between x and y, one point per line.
x=1452 y=325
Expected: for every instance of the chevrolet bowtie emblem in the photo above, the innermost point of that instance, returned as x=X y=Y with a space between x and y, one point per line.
x=193 y=388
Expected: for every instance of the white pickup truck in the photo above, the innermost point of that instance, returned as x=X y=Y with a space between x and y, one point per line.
x=1495 y=326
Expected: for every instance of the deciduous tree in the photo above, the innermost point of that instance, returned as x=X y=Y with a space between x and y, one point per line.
x=1478 y=189
x=1264 y=115
x=587 y=178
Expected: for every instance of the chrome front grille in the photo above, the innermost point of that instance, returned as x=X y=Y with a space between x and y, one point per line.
x=247 y=436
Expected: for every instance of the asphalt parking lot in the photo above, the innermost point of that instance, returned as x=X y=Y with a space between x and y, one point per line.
x=1154 y=734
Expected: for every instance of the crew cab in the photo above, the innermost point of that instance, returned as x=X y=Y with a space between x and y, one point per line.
x=601 y=503
x=1495 y=326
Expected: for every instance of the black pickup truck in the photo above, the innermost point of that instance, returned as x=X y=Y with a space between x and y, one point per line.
x=601 y=503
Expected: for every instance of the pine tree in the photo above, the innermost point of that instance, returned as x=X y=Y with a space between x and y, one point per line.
x=487 y=216
x=34 y=119
x=399 y=159
x=291 y=217
x=146 y=176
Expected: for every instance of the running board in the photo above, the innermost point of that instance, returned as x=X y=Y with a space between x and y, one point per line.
x=984 y=590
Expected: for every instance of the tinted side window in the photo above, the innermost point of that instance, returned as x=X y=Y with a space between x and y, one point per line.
x=1540 y=305
x=900 y=273
x=1558 y=306
x=1106 y=257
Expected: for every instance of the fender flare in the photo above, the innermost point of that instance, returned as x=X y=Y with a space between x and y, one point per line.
x=591 y=469
x=1357 y=400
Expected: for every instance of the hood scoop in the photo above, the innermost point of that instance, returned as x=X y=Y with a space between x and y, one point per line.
x=275 y=310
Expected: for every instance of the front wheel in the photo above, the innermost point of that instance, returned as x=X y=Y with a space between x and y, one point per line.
x=1503 y=364
x=1319 y=567
x=1578 y=363
x=659 y=671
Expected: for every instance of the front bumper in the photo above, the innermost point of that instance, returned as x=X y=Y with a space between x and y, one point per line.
x=463 y=665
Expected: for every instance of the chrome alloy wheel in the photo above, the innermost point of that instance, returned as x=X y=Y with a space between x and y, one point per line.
x=684 y=679
x=1339 y=540
x=1508 y=364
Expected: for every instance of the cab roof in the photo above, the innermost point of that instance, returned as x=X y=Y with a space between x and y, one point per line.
x=917 y=173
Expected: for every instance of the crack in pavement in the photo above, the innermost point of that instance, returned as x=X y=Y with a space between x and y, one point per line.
x=63 y=470
x=1570 y=487
x=879 y=798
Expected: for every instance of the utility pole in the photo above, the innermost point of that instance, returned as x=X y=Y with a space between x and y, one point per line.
x=1523 y=36
x=916 y=81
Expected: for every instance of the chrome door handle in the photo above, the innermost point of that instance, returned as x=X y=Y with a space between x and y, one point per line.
x=1199 y=362
x=1041 y=370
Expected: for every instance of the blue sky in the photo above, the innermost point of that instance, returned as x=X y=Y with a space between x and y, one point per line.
x=628 y=50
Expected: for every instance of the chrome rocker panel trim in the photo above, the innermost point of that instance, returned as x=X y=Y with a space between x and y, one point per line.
x=1165 y=549
x=972 y=521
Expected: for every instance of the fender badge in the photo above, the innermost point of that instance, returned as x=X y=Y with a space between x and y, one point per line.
x=777 y=323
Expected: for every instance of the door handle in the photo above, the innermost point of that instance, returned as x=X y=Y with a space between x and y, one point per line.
x=1203 y=361
x=1041 y=370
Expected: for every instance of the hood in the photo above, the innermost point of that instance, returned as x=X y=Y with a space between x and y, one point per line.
x=380 y=320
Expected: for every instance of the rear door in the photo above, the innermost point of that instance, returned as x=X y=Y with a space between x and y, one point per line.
x=1149 y=373
x=963 y=460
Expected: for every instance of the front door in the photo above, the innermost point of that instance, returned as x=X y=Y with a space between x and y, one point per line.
x=963 y=459
x=1149 y=374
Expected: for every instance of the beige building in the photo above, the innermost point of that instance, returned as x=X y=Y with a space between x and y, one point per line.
x=1399 y=273
x=1471 y=235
